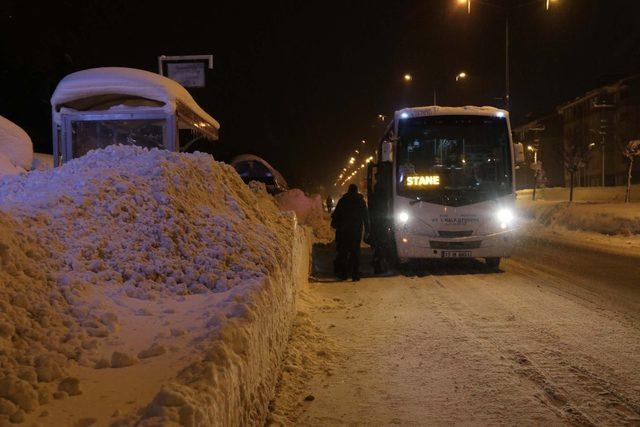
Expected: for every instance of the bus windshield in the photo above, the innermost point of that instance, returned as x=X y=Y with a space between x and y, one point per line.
x=468 y=155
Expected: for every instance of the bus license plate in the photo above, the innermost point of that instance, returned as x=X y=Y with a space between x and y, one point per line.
x=456 y=254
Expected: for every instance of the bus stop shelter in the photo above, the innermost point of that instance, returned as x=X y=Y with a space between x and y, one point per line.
x=94 y=108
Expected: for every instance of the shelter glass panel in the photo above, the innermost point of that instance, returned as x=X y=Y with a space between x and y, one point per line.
x=95 y=134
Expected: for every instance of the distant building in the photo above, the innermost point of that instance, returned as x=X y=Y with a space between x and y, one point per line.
x=602 y=122
x=542 y=141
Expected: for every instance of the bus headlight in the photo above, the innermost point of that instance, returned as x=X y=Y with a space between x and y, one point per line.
x=403 y=217
x=505 y=217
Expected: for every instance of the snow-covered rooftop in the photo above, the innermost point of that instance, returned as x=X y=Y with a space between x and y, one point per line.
x=125 y=81
x=434 y=110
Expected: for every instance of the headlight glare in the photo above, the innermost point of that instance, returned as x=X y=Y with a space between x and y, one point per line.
x=505 y=217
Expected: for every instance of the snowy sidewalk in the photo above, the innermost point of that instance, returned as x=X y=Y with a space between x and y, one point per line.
x=597 y=217
x=552 y=339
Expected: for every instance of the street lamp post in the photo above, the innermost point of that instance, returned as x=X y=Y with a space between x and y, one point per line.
x=507 y=42
x=601 y=135
x=535 y=153
x=507 y=90
x=536 y=169
x=459 y=77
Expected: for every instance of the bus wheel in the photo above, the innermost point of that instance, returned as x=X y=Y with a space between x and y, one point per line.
x=493 y=263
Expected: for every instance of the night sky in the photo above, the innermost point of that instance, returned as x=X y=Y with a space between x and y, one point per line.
x=301 y=83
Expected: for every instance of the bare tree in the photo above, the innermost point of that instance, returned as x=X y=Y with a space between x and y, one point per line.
x=631 y=150
x=575 y=156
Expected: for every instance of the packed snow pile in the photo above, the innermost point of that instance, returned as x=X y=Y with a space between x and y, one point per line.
x=582 y=194
x=125 y=232
x=322 y=230
x=309 y=353
x=603 y=218
x=114 y=208
x=16 y=148
x=304 y=206
x=594 y=209
x=42 y=161
x=7 y=167
x=41 y=326
x=309 y=211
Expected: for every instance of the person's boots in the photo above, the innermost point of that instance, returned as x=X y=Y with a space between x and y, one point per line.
x=339 y=271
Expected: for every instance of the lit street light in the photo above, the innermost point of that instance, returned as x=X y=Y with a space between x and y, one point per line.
x=467 y=3
x=460 y=76
x=407 y=77
x=535 y=153
x=507 y=12
x=536 y=167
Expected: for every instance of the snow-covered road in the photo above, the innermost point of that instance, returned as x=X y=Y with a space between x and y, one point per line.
x=552 y=339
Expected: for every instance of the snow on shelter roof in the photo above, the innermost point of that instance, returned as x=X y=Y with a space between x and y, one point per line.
x=125 y=81
x=435 y=110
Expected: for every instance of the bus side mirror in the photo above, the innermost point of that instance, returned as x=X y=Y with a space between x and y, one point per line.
x=518 y=153
x=387 y=152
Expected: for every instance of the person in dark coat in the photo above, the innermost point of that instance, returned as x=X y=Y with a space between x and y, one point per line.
x=329 y=204
x=349 y=219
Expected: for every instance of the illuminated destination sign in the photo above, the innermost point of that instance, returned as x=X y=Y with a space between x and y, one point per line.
x=423 y=181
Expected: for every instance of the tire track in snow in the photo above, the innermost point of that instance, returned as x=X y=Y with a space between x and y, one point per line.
x=484 y=336
x=573 y=392
x=566 y=285
x=409 y=366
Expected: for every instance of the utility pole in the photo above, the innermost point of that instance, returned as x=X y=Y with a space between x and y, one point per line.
x=602 y=145
x=602 y=141
x=507 y=94
x=506 y=9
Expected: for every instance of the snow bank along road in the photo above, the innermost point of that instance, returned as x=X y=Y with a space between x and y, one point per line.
x=552 y=339
x=143 y=288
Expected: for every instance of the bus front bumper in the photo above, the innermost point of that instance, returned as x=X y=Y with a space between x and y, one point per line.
x=496 y=245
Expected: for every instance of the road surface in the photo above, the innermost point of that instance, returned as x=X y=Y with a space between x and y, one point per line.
x=554 y=338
